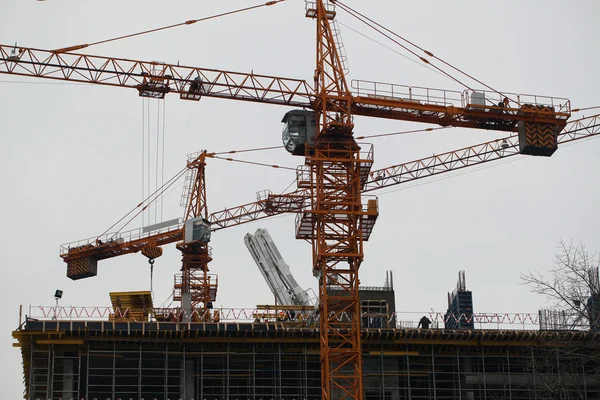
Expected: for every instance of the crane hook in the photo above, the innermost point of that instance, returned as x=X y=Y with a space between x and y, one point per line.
x=151 y=262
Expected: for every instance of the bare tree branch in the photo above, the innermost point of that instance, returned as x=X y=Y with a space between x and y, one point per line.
x=570 y=284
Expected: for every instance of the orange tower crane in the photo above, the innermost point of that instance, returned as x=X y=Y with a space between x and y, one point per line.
x=336 y=234
x=336 y=169
x=196 y=286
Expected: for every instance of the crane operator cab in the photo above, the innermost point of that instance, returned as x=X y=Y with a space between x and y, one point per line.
x=197 y=230
x=299 y=128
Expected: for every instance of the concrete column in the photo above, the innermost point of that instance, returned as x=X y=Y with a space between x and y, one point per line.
x=187 y=379
x=68 y=380
x=190 y=392
x=186 y=304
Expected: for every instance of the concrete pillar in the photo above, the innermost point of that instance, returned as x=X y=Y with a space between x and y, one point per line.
x=68 y=381
x=186 y=304
x=188 y=386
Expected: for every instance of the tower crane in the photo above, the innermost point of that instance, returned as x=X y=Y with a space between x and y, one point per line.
x=336 y=170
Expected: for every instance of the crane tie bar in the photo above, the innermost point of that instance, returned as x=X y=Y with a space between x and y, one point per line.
x=189 y=22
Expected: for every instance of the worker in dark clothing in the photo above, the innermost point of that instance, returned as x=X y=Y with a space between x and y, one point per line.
x=195 y=86
x=424 y=322
x=504 y=103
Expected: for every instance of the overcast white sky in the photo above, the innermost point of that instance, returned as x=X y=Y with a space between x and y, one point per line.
x=71 y=154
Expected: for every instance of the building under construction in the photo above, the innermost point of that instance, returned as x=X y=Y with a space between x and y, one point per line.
x=353 y=345
x=133 y=354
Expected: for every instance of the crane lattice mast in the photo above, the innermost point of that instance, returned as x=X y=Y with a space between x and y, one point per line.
x=336 y=235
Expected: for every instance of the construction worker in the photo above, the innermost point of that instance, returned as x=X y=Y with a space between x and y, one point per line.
x=504 y=103
x=424 y=322
x=195 y=85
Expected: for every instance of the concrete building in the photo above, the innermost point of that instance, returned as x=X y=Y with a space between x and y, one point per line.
x=220 y=361
x=136 y=352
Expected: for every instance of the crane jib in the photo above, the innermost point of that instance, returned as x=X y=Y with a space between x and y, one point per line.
x=473 y=109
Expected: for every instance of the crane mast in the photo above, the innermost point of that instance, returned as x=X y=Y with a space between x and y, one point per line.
x=336 y=235
x=195 y=288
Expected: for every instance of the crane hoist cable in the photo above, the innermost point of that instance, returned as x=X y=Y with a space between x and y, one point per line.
x=402 y=132
x=288 y=186
x=153 y=164
x=157 y=155
x=357 y=137
x=143 y=148
x=158 y=193
x=251 y=162
x=157 y=160
x=584 y=109
x=390 y=49
x=153 y=197
x=189 y=22
x=247 y=150
x=148 y=167
x=151 y=262
x=148 y=200
x=162 y=162
x=216 y=155
x=370 y=23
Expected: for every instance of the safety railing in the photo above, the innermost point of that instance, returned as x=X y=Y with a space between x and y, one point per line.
x=366 y=152
x=311 y=9
x=527 y=321
x=303 y=176
x=399 y=319
x=264 y=194
x=486 y=98
x=408 y=94
x=369 y=206
x=118 y=237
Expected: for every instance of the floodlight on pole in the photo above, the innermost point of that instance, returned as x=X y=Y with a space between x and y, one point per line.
x=57 y=296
